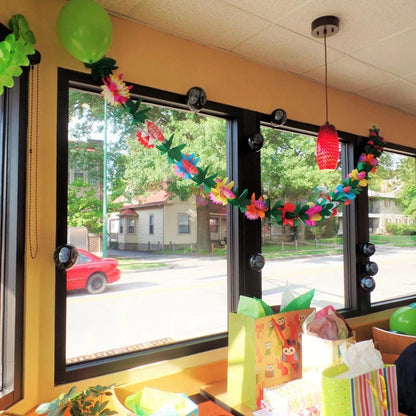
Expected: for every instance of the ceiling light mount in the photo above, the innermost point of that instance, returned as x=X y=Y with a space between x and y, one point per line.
x=325 y=26
x=327 y=143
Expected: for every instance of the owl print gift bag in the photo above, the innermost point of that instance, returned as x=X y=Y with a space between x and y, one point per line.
x=263 y=352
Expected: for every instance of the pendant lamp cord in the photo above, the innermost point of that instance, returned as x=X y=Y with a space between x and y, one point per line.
x=33 y=163
x=326 y=79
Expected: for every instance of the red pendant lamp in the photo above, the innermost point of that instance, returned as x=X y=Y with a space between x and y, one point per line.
x=327 y=145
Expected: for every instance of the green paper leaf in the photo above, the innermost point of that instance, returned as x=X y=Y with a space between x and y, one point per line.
x=172 y=153
x=102 y=68
x=201 y=178
x=141 y=115
x=240 y=201
x=138 y=115
x=132 y=106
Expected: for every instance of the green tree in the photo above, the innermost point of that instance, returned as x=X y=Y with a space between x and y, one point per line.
x=407 y=191
x=148 y=170
x=289 y=172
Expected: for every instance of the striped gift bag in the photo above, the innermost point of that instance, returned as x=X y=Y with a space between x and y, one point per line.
x=370 y=394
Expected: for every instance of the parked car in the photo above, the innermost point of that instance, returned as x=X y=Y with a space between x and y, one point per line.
x=92 y=273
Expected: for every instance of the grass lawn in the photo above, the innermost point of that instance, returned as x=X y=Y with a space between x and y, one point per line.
x=394 y=240
x=126 y=263
x=287 y=250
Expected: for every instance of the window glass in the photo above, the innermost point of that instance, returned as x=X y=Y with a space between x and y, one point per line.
x=151 y=224
x=131 y=225
x=165 y=249
x=13 y=131
x=184 y=224
x=299 y=257
x=392 y=223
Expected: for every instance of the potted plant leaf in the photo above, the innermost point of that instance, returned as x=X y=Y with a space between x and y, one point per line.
x=92 y=401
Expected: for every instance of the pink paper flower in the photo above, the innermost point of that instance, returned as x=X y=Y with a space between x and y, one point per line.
x=115 y=90
x=256 y=209
x=314 y=213
x=222 y=192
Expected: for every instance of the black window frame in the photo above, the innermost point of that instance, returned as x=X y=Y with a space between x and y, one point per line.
x=13 y=146
x=243 y=239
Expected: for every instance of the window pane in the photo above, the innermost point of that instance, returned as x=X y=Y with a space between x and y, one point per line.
x=168 y=263
x=299 y=257
x=392 y=221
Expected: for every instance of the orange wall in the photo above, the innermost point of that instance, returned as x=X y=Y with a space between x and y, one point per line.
x=157 y=60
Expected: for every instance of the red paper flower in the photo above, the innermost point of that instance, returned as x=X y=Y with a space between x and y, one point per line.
x=288 y=207
x=151 y=136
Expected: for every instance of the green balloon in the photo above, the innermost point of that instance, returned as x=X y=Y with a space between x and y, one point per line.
x=85 y=30
x=403 y=320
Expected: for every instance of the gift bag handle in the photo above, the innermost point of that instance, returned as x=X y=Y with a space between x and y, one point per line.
x=383 y=399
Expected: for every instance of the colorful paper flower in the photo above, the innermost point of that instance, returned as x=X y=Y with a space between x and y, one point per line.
x=256 y=209
x=154 y=131
x=222 y=192
x=346 y=193
x=287 y=218
x=314 y=213
x=144 y=138
x=115 y=90
x=360 y=177
x=186 y=167
x=151 y=136
x=367 y=162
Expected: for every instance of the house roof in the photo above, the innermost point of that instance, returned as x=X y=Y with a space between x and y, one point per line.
x=128 y=213
x=156 y=198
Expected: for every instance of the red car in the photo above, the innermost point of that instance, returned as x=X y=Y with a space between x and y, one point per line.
x=92 y=273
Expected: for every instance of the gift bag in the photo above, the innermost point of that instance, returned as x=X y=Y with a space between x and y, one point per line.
x=297 y=397
x=263 y=352
x=371 y=394
x=319 y=353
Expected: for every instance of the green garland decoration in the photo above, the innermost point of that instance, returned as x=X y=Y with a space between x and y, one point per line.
x=14 y=51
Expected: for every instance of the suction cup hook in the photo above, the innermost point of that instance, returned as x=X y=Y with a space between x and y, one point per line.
x=65 y=256
x=257 y=262
x=371 y=268
x=368 y=283
x=278 y=117
x=368 y=249
x=256 y=141
x=196 y=99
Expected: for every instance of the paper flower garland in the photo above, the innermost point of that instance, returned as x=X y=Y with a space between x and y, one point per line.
x=185 y=166
x=14 y=51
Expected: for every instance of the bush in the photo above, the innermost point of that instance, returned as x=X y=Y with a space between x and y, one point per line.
x=400 y=229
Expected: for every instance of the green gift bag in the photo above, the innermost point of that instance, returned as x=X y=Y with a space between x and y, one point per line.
x=371 y=394
x=263 y=352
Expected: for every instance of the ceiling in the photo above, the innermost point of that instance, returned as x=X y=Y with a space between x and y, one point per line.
x=373 y=55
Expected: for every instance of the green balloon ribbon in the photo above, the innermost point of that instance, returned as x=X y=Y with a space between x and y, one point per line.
x=14 y=51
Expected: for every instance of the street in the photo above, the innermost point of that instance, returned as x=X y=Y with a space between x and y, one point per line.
x=188 y=298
